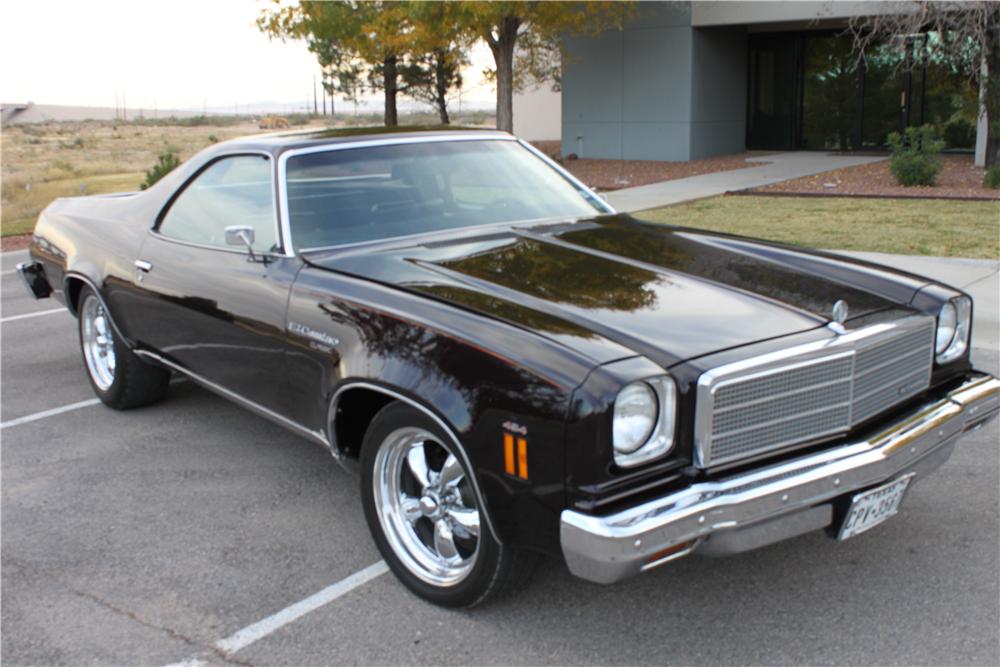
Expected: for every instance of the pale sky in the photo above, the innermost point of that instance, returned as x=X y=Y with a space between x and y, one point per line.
x=167 y=54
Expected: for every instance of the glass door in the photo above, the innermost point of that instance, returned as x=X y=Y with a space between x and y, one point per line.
x=773 y=91
x=830 y=93
x=887 y=96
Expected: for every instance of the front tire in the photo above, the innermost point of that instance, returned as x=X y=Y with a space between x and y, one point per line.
x=425 y=516
x=120 y=378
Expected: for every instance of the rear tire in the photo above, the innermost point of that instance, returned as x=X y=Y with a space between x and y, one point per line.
x=120 y=378
x=425 y=516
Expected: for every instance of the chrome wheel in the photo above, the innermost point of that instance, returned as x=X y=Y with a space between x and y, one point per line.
x=98 y=343
x=426 y=506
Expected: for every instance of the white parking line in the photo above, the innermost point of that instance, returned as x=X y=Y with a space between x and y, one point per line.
x=262 y=628
x=248 y=635
x=49 y=413
x=27 y=315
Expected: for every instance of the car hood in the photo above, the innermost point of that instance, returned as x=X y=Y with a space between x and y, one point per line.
x=614 y=287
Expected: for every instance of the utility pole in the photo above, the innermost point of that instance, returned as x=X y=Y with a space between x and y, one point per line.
x=315 y=107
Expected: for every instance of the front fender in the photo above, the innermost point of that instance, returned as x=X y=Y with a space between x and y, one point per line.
x=480 y=378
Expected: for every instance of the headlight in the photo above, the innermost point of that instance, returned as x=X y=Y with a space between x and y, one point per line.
x=954 y=323
x=643 y=426
x=947 y=319
x=635 y=417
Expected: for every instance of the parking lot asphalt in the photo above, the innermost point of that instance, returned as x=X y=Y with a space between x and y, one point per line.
x=145 y=537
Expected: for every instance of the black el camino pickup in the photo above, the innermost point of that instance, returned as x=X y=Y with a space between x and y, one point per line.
x=513 y=368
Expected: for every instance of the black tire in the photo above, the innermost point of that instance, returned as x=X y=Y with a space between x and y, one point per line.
x=495 y=569
x=131 y=382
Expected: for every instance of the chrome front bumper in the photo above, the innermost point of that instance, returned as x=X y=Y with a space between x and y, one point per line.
x=763 y=506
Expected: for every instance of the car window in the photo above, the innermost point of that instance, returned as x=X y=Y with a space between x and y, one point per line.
x=338 y=197
x=232 y=191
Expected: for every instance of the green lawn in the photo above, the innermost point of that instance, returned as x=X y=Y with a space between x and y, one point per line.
x=936 y=227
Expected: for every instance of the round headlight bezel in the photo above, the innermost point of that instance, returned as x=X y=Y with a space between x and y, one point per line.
x=634 y=418
x=954 y=322
x=659 y=440
x=947 y=325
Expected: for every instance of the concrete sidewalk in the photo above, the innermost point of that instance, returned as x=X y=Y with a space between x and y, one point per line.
x=980 y=278
x=778 y=167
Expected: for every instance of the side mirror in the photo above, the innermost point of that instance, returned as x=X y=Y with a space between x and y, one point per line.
x=240 y=235
x=243 y=235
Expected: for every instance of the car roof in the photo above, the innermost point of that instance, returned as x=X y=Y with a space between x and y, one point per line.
x=280 y=142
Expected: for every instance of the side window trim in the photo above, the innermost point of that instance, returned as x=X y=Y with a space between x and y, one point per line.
x=275 y=207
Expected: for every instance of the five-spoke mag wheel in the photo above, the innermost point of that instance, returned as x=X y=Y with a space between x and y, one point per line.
x=98 y=343
x=426 y=515
x=120 y=378
x=426 y=506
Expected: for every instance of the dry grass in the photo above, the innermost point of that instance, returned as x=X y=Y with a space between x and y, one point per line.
x=942 y=228
x=47 y=160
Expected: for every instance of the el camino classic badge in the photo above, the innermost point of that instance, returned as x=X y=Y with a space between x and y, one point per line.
x=318 y=336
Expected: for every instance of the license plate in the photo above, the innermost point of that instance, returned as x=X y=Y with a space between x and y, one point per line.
x=872 y=507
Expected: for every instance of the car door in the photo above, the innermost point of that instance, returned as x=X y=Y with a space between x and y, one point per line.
x=210 y=307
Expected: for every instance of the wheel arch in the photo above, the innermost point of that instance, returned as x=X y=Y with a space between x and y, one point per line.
x=73 y=284
x=368 y=398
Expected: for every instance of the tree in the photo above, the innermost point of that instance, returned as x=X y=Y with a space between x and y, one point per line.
x=438 y=54
x=386 y=39
x=536 y=25
x=353 y=41
x=428 y=78
x=966 y=35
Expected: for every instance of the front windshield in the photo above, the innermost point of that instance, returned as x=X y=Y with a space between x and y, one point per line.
x=336 y=197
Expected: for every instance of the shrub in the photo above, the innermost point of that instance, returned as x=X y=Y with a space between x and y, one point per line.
x=991 y=179
x=166 y=162
x=915 y=156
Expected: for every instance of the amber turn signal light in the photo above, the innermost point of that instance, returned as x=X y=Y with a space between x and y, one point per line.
x=515 y=462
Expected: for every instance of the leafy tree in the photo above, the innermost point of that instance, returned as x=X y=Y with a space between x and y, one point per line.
x=438 y=54
x=355 y=42
x=533 y=25
x=422 y=42
x=966 y=35
x=386 y=40
x=428 y=78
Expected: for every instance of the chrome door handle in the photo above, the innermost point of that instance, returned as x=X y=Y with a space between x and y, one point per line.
x=143 y=266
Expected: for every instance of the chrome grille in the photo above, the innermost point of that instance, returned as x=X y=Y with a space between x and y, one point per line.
x=890 y=372
x=810 y=392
